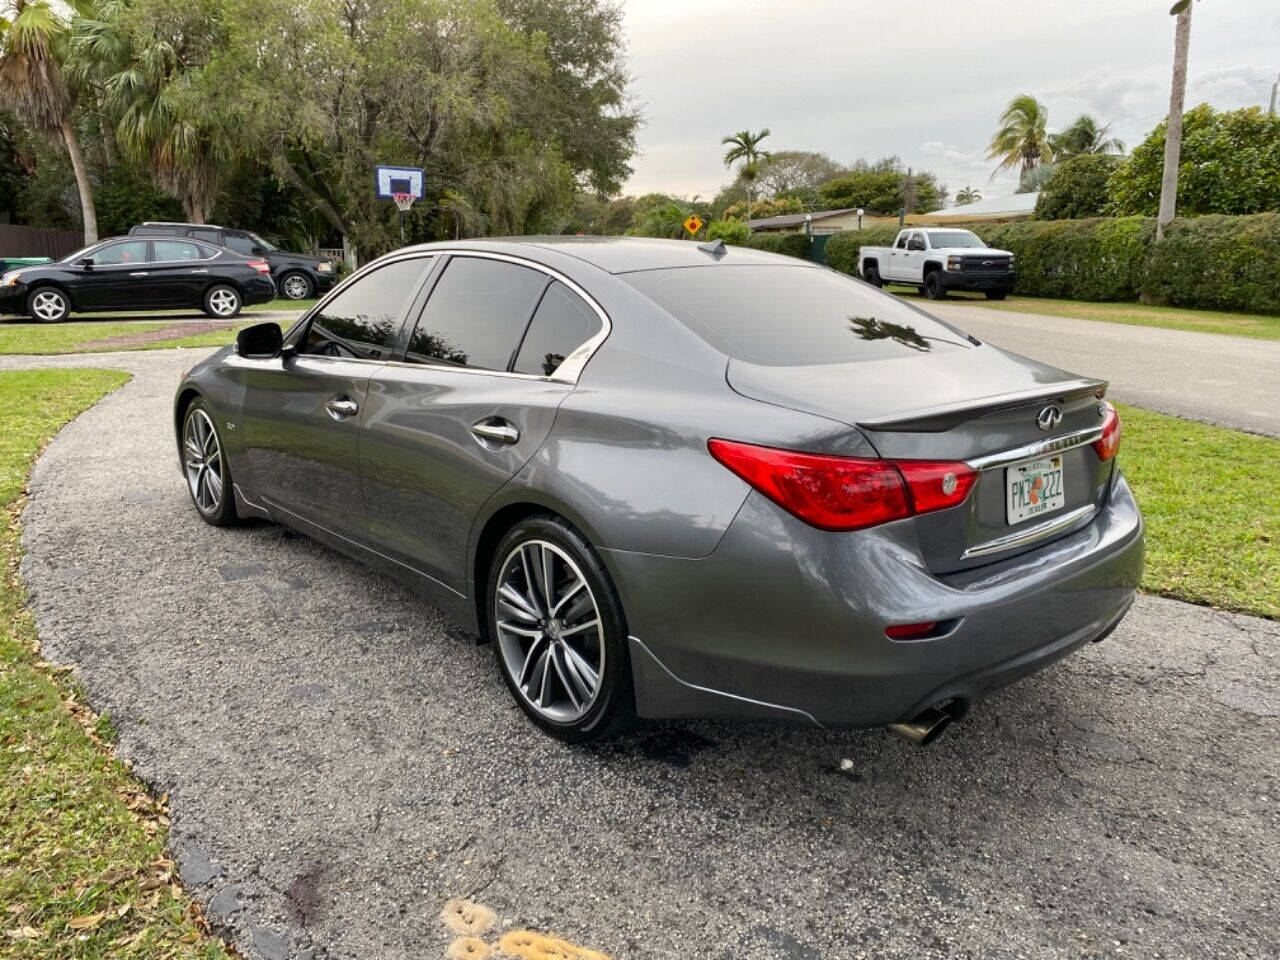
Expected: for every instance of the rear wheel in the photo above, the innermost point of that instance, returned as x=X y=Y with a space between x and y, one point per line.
x=872 y=274
x=933 y=288
x=558 y=632
x=296 y=286
x=222 y=301
x=997 y=294
x=205 y=464
x=48 y=305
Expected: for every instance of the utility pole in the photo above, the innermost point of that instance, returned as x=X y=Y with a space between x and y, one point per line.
x=1272 y=111
x=909 y=193
x=1173 y=128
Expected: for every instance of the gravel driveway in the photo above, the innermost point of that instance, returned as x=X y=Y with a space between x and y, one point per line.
x=340 y=764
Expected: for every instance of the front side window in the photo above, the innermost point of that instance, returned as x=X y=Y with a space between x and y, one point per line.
x=476 y=314
x=916 y=242
x=562 y=323
x=130 y=251
x=179 y=250
x=361 y=322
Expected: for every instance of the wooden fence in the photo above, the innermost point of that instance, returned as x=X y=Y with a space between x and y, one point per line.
x=20 y=241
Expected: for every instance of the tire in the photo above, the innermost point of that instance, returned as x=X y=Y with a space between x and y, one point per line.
x=547 y=663
x=48 y=305
x=204 y=464
x=933 y=288
x=222 y=301
x=997 y=294
x=871 y=273
x=296 y=286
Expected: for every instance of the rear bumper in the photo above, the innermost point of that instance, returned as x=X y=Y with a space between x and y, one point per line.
x=259 y=290
x=959 y=280
x=787 y=622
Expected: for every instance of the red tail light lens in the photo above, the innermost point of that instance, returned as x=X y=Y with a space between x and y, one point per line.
x=260 y=265
x=910 y=631
x=845 y=493
x=1108 y=445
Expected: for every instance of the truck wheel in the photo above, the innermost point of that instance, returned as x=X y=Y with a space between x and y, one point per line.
x=933 y=288
x=997 y=294
x=871 y=273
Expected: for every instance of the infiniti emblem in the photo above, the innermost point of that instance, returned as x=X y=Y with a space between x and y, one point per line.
x=1049 y=417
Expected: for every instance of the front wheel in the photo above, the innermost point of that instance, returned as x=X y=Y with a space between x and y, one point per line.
x=222 y=301
x=558 y=632
x=933 y=288
x=48 y=305
x=205 y=464
x=296 y=286
x=997 y=294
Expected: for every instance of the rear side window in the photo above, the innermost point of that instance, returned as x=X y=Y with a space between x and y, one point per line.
x=239 y=243
x=361 y=322
x=562 y=323
x=476 y=314
x=792 y=316
x=208 y=236
x=179 y=250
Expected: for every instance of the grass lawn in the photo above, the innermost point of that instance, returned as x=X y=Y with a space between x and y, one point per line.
x=1258 y=326
x=1213 y=516
x=83 y=868
x=75 y=336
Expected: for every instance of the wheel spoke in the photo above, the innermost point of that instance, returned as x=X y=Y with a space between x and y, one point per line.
x=528 y=662
x=580 y=671
x=518 y=604
x=532 y=633
x=595 y=622
x=564 y=681
x=530 y=582
x=548 y=578
x=546 y=680
x=579 y=583
x=215 y=485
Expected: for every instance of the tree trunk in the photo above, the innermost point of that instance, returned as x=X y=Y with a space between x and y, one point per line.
x=88 y=214
x=1173 y=129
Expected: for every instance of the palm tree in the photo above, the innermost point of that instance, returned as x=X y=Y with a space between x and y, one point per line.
x=32 y=85
x=967 y=195
x=1086 y=135
x=1173 y=131
x=1021 y=140
x=745 y=146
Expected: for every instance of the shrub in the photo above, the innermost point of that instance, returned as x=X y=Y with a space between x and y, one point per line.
x=1077 y=188
x=1219 y=262
x=790 y=244
x=1098 y=259
x=729 y=230
x=842 y=248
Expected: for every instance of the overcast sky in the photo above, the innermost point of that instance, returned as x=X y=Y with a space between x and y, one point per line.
x=924 y=79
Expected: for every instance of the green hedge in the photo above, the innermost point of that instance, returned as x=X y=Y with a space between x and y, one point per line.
x=791 y=244
x=1214 y=262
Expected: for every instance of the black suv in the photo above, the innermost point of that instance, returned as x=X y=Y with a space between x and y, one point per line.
x=297 y=275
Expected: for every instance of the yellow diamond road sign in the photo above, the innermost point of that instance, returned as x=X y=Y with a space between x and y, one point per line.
x=693 y=224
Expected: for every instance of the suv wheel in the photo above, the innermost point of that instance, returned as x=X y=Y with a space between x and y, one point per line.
x=558 y=632
x=933 y=288
x=48 y=305
x=296 y=286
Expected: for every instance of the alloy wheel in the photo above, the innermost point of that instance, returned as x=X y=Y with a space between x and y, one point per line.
x=548 y=628
x=296 y=287
x=48 y=305
x=202 y=460
x=223 y=302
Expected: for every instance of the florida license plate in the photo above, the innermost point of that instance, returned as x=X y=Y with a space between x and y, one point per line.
x=1034 y=488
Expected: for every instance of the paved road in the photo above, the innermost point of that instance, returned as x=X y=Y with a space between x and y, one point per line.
x=1230 y=381
x=340 y=765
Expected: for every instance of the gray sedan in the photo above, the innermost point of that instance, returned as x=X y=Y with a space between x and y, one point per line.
x=667 y=479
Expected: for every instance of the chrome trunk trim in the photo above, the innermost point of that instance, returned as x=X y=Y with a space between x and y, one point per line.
x=1038 y=449
x=1032 y=534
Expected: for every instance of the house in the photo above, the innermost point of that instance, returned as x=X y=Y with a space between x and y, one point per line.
x=1020 y=206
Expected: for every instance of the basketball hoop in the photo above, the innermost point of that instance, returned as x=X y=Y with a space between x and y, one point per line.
x=403 y=201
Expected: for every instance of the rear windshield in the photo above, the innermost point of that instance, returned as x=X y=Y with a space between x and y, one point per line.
x=792 y=316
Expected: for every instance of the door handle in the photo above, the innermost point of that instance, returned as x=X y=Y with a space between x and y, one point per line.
x=139 y=273
x=496 y=431
x=340 y=408
x=205 y=270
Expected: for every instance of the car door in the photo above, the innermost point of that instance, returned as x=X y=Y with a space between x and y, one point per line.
x=179 y=272
x=913 y=259
x=300 y=414
x=119 y=278
x=898 y=257
x=469 y=404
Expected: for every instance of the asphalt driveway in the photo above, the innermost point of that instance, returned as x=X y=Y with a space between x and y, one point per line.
x=1226 y=380
x=340 y=765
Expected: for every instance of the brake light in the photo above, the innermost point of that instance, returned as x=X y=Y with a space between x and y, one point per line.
x=846 y=493
x=1108 y=445
x=260 y=265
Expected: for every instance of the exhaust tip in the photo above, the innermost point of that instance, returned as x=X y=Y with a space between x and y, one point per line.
x=928 y=726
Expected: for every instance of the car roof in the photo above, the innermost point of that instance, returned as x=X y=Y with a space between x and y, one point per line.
x=620 y=254
x=177 y=223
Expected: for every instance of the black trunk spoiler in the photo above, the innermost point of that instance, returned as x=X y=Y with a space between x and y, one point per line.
x=948 y=416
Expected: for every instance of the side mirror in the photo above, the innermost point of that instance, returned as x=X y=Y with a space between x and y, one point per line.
x=87 y=263
x=262 y=340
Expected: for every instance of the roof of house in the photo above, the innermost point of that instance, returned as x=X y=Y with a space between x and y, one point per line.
x=795 y=219
x=994 y=207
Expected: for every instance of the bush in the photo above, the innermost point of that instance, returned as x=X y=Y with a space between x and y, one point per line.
x=843 y=247
x=790 y=244
x=1077 y=188
x=730 y=231
x=1098 y=259
x=1224 y=263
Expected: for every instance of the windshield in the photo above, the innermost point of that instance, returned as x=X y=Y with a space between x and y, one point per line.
x=792 y=316
x=269 y=247
x=954 y=238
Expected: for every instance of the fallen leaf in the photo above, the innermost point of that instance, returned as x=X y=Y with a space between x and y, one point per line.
x=86 y=922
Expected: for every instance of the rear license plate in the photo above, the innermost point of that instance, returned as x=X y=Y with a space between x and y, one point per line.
x=1034 y=488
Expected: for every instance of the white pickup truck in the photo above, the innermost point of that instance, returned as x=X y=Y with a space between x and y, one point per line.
x=938 y=259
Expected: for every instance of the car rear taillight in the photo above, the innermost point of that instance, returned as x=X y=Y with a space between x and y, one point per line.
x=1108 y=445
x=846 y=493
x=260 y=265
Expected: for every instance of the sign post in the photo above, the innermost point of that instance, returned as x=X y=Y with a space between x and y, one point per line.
x=403 y=185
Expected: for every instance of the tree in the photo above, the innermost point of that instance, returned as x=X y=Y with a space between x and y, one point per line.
x=1084 y=136
x=1021 y=140
x=786 y=170
x=1230 y=163
x=665 y=220
x=1177 y=97
x=32 y=85
x=1078 y=188
x=744 y=146
x=881 y=187
x=967 y=195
